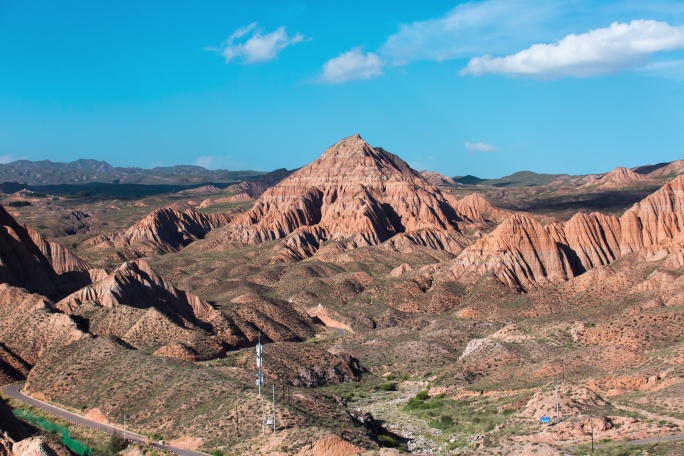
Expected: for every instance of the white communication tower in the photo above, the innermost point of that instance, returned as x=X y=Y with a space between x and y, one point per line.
x=259 y=376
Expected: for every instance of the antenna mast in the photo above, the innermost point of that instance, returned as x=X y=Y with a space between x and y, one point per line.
x=260 y=376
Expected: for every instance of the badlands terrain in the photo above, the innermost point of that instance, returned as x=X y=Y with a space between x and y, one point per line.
x=401 y=311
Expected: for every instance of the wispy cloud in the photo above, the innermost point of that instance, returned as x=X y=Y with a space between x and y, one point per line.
x=473 y=28
x=258 y=47
x=7 y=159
x=672 y=69
x=479 y=147
x=352 y=65
x=602 y=51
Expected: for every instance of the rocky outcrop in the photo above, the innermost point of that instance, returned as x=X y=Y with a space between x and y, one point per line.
x=226 y=199
x=656 y=218
x=474 y=208
x=142 y=308
x=593 y=239
x=520 y=253
x=30 y=324
x=438 y=180
x=61 y=259
x=200 y=190
x=307 y=366
x=135 y=284
x=26 y=260
x=620 y=177
x=662 y=170
x=165 y=230
x=39 y=446
x=355 y=192
x=520 y=256
x=330 y=445
x=12 y=368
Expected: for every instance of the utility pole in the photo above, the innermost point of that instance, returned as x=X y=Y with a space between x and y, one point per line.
x=124 y=426
x=592 y=435
x=563 y=369
x=263 y=416
x=557 y=403
x=260 y=376
x=274 y=411
x=237 y=421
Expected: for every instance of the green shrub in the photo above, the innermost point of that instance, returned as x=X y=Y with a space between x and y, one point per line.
x=387 y=441
x=116 y=443
x=422 y=402
x=444 y=423
x=81 y=194
x=389 y=386
x=19 y=203
x=422 y=395
x=216 y=453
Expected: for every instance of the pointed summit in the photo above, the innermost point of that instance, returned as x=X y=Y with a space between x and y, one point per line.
x=352 y=191
x=351 y=146
x=617 y=178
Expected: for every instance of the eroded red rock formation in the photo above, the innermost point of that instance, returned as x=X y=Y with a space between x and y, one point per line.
x=354 y=192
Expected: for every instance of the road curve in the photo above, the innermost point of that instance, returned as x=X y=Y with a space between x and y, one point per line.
x=14 y=391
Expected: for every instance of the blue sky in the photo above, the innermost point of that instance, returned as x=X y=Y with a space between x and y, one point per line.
x=485 y=87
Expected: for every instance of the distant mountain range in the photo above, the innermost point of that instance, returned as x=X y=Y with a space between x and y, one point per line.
x=99 y=175
x=94 y=177
x=532 y=179
x=85 y=171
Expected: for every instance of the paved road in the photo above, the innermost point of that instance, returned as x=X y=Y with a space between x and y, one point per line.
x=14 y=391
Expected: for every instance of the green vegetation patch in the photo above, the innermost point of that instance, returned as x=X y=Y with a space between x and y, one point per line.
x=19 y=203
x=74 y=445
x=455 y=417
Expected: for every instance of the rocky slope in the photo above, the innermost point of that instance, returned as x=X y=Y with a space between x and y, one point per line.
x=522 y=254
x=618 y=178
x=30 y=325
x=661 y=170
x=139 y=306
x=28 y=261
x=354 y=192
x=165 y=230
x=180 y=399
x=438 y=180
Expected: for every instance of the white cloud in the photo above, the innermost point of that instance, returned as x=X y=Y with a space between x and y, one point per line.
x=479 y=147
x=352 y=65
x=601 y=51
x=474 y=28
x=205 y=161
x=7 y=159
x=670 y=69
x=258 y=48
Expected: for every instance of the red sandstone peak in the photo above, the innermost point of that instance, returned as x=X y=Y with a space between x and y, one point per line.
x=520 y=253
x=437 y=179
x=617 y=178
x=352 y=191
x=674 y=168
x=593 y=239
x=61 y=259
x=657 y=217
x=29 y=261
x=164 y=230
x=135 y=284
x=520 y=256
x=475 y=208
